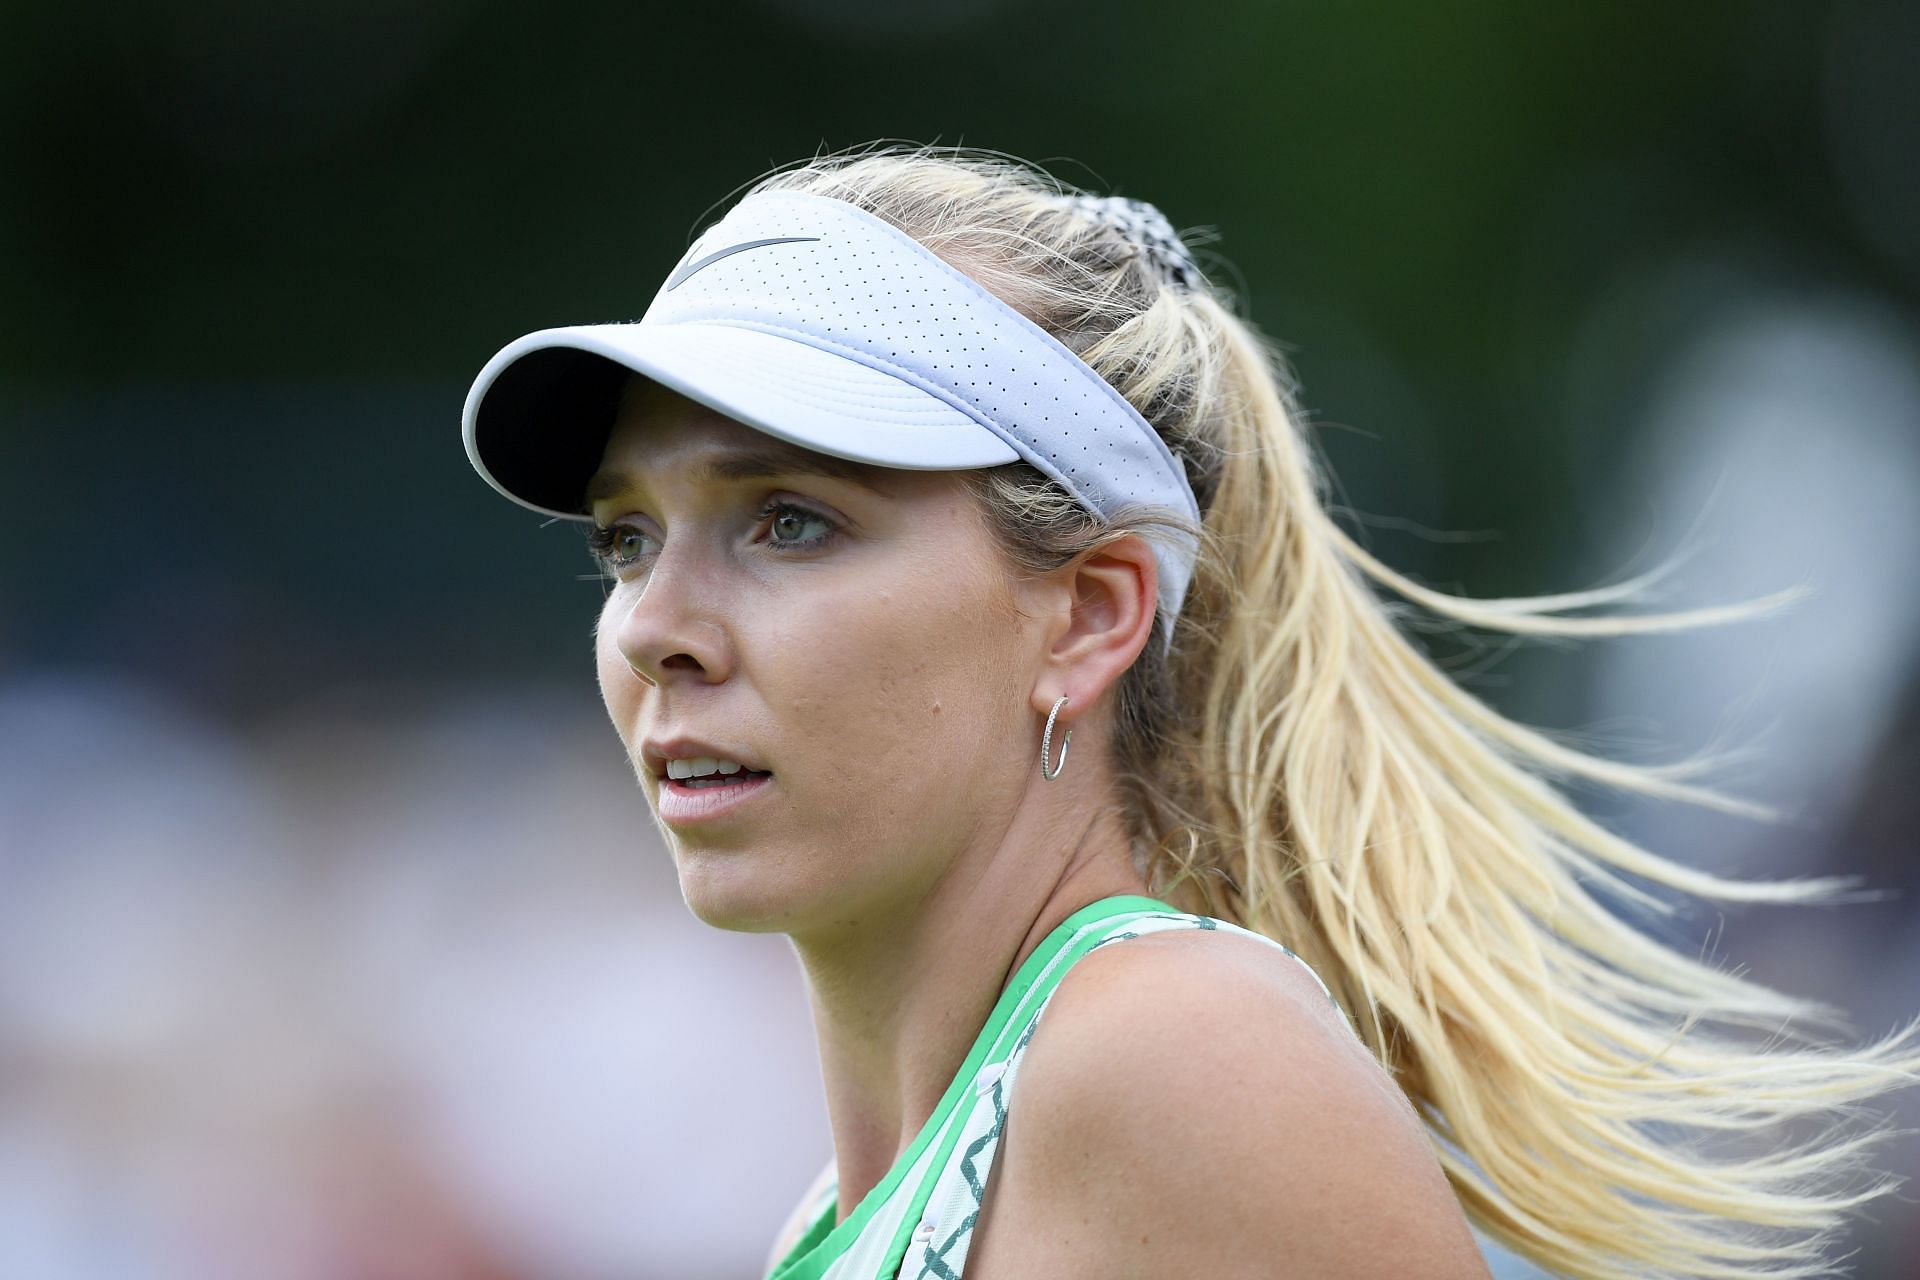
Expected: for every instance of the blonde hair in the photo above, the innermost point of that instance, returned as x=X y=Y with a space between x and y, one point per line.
x=1297 y=765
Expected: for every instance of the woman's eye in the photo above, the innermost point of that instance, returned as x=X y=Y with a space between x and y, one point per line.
x=788 y=520
x=621 y=546
x=615 y=546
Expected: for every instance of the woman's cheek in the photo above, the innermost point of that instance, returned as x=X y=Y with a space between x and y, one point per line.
x=620 y=688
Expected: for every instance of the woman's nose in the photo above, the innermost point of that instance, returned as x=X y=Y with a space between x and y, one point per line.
x=669 y=629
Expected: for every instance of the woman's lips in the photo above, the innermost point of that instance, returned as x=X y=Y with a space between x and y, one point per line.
x=682 y=805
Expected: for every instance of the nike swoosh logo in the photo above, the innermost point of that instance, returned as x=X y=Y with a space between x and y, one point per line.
x=682 y=273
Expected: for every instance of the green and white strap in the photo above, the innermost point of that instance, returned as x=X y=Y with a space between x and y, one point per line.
x=917 y=1223
x=940 y=1241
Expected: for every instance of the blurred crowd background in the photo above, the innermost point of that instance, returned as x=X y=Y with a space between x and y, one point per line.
x=336 y=941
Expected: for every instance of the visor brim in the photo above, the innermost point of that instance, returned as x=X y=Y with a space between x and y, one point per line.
x=537 y=417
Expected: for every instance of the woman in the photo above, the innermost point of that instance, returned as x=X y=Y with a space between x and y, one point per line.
x=920 y=466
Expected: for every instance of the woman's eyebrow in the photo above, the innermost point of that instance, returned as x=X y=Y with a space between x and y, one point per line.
x=751 y=464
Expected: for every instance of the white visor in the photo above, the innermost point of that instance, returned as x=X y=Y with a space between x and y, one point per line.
x=826 y=326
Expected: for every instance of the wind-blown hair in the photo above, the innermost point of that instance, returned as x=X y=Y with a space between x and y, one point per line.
x=1299 y=766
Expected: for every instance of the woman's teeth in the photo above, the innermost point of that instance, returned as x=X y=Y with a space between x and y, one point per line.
x=704 y=771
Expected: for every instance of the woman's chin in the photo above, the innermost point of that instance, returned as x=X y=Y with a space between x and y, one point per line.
x=728 y=892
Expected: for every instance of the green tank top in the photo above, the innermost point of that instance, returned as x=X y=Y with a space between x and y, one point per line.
x=917 y=1222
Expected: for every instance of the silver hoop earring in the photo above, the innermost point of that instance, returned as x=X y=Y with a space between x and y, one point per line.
x=1046 y=743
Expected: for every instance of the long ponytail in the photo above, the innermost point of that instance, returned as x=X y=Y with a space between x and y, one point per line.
x=1297 y=765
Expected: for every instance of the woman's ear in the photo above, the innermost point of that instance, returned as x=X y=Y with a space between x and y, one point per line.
x=1104 y=602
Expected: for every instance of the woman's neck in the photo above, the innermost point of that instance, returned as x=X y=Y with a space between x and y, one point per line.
x=898 y=1001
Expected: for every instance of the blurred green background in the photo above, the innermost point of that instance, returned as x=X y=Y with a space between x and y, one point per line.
x=1561 y=284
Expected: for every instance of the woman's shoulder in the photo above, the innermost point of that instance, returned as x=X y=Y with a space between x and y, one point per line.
x=1209 y=962
x=1200 y=1086
x=1194 y=1000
